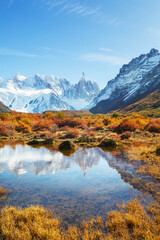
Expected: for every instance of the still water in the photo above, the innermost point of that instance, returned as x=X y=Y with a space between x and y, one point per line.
x=74 y=187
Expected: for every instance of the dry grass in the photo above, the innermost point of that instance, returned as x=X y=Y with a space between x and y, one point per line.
x=31 y=223
x=150 y=161
x=130 y=221
x=3 y=193
x=147 y=163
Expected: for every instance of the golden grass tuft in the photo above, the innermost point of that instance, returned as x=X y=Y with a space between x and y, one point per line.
x=150 y=160
x=129 y=221
x=30 y=223
x=3 y=193
x=132 y=221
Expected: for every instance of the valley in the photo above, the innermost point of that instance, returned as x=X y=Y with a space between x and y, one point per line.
x=81 y=163
x=79 y=120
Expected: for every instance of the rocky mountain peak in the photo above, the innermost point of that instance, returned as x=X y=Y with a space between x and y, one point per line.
x=135 y=79
x=154 y=52
x=83 y=79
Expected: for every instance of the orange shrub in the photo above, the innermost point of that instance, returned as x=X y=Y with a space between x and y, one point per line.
x=153 y=125
x=142 y=122
x=60 y=115
x=5 y=116
x=99 y=127
x=3 y=131
x=125 y=125
x=88 y=136
x=126 y=135
x=6 y=128
x=70 y=122
x=23 y=127
x=42 y=124
x=45 y=134
x=53 y=128
x=72 y=133
x=107 y=121
x=92 y=134
x=48 y=115
x=98 y=124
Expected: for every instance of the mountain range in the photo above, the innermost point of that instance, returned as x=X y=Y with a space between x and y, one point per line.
x=135 y=80
x=41 y=93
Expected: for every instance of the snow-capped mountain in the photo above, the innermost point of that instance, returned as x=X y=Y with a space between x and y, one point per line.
x=84 y=90
x=41 y=93
x=134 y=81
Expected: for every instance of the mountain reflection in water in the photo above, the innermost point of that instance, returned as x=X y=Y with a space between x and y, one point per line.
x=25 y=159
x=78 y=186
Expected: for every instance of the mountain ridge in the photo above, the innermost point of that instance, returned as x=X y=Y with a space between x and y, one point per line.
x=46 y=92
x=134 y=81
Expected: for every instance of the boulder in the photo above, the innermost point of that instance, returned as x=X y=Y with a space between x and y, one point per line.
x=158 y=151
x=66 y=146
x=108 y=142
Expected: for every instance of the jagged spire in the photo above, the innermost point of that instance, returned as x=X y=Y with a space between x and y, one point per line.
x=83 y=74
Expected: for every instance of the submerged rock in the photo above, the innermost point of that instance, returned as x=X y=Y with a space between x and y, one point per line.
x=33 y=142
x=40 y=142
x=108 y=142
x=158 y=151
x=48 y=141
x=66 y=146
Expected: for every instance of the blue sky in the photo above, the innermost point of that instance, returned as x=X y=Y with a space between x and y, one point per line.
x=68 y=37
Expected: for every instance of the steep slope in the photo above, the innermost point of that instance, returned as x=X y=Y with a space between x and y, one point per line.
x=150 y=105
x=4 y=108
x=41 y=93
x=134 y=81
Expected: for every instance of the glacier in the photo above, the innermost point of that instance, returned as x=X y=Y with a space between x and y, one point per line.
x=40 y=93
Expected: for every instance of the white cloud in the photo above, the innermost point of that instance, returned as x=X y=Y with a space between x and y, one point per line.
x=11 y=52
x=105 y=50
x=69 y=7
x=76 y=7
x=103 y=58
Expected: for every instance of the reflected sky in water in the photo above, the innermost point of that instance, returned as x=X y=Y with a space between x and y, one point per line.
x=78 y=186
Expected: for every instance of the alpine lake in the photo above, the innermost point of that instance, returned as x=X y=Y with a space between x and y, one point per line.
x=84 y=184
